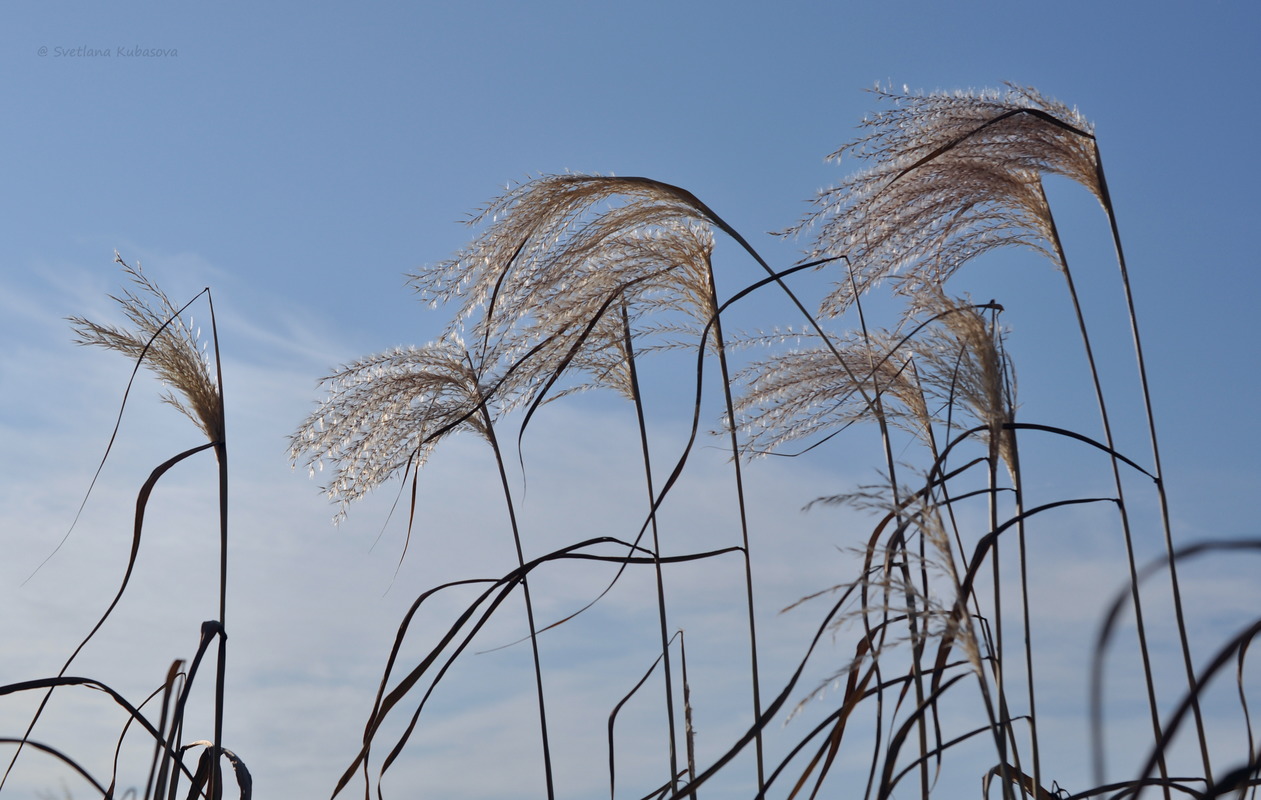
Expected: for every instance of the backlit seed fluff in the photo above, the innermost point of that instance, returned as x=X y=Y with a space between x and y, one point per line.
x=954 y=176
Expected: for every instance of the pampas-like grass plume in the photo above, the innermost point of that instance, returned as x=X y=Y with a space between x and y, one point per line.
x=167 y=345
x=961 y=358
x=558 y=248
x=809 y=391
x=385 y=413
x=541 y=290
x=955 y=176
x=953 y=354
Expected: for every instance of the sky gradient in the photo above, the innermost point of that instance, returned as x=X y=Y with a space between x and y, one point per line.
x=300 y=159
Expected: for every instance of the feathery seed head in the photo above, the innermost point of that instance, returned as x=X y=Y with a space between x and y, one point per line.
x=385 y=413
x=545 y=283
x=954 y=176
x=550 y=284
x=558 y=247
x=952 y=362
x=169 y=347
x=807 y=391
x=962 y=359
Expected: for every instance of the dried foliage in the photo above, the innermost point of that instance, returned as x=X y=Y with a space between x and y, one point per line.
x=580 y=276
x=573 y=279
x=168 y=346
x=806 y=392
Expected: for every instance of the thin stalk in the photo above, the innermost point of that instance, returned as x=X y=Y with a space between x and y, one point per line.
x=1025 y=618
x=1140 y=627
x=1106 y=200
x=637 y=398
x=944 y=488
x=917 y=641
x=215 y=786
x=996 y=663
x=744 y=523
x=689 y=733
x=1019 y=507
x=876 y=405
x=529 y=605
x=991 y=642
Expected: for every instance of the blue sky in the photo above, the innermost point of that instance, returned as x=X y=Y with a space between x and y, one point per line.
x=300 y=158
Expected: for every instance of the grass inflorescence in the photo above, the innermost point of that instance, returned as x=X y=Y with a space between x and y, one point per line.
x=577 y=283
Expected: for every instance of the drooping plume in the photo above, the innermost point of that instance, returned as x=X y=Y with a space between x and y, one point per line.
x=385 y=413
x=171 y=349
x=954 y=176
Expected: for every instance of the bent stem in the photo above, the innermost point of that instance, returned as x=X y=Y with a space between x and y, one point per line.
x=142 y=500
